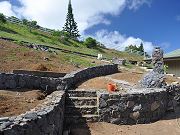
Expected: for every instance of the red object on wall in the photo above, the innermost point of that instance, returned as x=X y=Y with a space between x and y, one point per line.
x=111 y=87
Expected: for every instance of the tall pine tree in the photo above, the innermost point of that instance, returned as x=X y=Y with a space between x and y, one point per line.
x=71 y=26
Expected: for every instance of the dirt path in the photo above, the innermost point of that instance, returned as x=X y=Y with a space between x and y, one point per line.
x=170 y=125
x=163 y=127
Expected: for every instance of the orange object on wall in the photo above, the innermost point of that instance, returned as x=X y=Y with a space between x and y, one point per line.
x=111 y=87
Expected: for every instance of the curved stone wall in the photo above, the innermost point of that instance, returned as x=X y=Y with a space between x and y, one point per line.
x=50 y=84
x=70 y=80
x=137 y=106
x=46 y=118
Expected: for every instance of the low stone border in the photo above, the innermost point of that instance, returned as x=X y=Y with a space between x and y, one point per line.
x=46 y=118
x=70 y=80
x=40 y=73
x=173 y=97
x=135 y=106
x=50 y=84
x=19 y=81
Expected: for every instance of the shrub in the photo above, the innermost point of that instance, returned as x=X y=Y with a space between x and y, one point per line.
x=90 y=43
x=165 y=68
x=25 y=21
x=2 y=18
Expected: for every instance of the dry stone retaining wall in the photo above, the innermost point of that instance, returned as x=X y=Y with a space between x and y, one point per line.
x=14 y=81
x=173 y=97
x=50 y=84
x=40 y=73
x=138 y=106
x=70 y=80
x=45 y=119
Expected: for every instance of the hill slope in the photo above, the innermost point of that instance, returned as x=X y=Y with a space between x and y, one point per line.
x=20 y=33
x=14 y=56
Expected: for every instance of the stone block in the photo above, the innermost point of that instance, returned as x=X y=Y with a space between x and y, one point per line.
x=130 y=104
x=137 y=108
x=135 y=115
x=11 y=84
x=116 y=121
x=155 y=105
x=102 y=103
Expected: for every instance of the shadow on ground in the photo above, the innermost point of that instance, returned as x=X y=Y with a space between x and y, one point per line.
x=74 y=124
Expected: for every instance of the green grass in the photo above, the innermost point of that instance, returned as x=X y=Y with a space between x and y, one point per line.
x=23 y=33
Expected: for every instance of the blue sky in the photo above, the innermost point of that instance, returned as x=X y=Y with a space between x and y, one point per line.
x=122 y=22
x=157 y=23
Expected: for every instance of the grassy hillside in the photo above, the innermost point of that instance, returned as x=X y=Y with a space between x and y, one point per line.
x=23 y=33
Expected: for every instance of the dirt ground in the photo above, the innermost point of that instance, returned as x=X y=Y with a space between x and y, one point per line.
x=163 y=127
x=30 y=59
x=13 y=103
x=128 y=76
x=169 y=125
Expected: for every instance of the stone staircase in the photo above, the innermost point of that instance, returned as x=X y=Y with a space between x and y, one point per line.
x=81 y=107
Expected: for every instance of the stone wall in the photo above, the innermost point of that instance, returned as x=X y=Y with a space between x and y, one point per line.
x=70 y=80
x=14 y=81
x=137 y=106
x=173 y=97
x=46 y=119
x=50 y=84
x=40 y=73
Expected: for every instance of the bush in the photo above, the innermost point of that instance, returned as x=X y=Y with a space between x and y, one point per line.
x=90 y=43
x=30 y=24
x=57 y=33
x=165 y=68
x=2 y=18
x=25 y=21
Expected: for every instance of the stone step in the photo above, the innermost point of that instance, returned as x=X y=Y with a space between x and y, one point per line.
x=81 y=110
x=81 y=93
x=73 y=119
x=80 y=101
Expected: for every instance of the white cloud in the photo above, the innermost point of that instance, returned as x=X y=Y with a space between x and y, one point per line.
x=115 y=40
x=6 y=8
x=52 y=13
x=135 y=4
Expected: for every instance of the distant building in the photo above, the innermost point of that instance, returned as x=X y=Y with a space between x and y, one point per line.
x=100 y=56
x=118 y=61
x=172 y=60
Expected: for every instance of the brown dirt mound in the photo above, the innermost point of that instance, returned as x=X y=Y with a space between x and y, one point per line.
x=40 y=67
x=13 y=103
x=13 y=56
